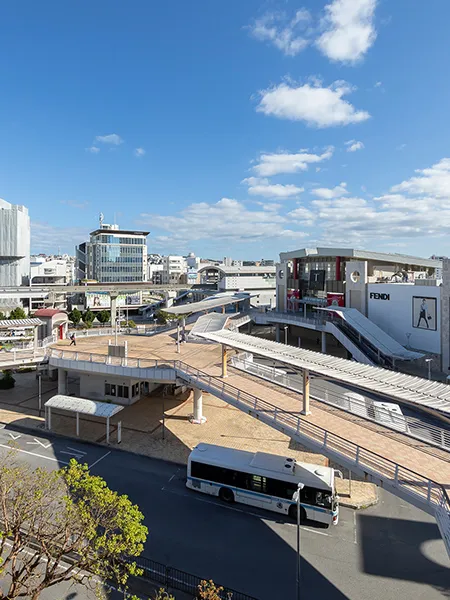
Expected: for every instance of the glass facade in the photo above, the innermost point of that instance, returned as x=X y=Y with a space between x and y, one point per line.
x=118 y=257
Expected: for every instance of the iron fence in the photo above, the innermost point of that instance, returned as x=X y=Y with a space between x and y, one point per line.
x=174 y=579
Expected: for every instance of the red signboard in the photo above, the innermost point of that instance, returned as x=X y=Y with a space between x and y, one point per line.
x=335 y=299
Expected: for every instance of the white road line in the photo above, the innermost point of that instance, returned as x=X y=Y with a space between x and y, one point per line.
x=99 y=459
x=34 y=454
x=75 y=450
x=74 y=454
x=14 y=437
x=40 y=444
x=355 y=537
x=314 y=531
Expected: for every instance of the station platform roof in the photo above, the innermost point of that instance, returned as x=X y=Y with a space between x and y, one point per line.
x=17 y=323
x=210 y=303
x=406 y=388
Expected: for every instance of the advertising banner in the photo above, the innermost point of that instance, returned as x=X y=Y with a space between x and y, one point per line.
x=103 y=299
x=192 y=276
x=317 y=279
x=424 y=313
x=335 y=299
x=292 y=299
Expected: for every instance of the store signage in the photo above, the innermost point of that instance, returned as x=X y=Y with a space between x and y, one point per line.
x=378 y=296
x=317 y=279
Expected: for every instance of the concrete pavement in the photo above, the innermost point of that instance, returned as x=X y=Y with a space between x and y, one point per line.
x=389 y=551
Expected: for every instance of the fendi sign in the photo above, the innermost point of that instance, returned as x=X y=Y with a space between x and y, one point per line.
x=378 y=296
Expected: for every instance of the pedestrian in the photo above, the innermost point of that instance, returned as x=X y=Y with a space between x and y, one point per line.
x=73 y=341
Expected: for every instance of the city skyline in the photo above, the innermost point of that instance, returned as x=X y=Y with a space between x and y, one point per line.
x=245 y=130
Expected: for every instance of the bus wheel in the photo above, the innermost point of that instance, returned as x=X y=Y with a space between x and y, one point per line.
x=226 y=495
x=293 y=513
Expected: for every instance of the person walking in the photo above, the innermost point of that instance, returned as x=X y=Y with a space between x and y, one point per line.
x=73 y=341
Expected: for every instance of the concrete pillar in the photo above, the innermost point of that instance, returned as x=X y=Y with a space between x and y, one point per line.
x=198 y=419
x=299 y=340
x=278 y=332
x=62 y=382
x=305 y=410
x=78 y=424
x=224 y=361
x=35 y=338
x=324 y=342
x=113 y=309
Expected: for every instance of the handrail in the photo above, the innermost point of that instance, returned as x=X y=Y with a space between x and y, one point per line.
x=410 y=426
x=410 y=482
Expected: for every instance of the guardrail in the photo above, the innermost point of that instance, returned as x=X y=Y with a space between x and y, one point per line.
x=410 y=426
x=175 y=579
x=415 y=488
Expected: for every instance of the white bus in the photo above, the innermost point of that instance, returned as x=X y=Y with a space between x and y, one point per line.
x=264 y=480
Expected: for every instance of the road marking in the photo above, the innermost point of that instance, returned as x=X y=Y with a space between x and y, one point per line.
x=14 y=437
x=40 y=444
x=34 y=454
x=99 y=459
x=355 y=537
x=74 y=454
x=75 y=450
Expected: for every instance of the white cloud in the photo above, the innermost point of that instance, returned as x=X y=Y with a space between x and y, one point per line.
x=93 y=150
x=349 y=30
x=288 y=35
x=262 y=187
x=302 y=216
x=48 y=238
x=139 y=152
x=401 y=147
x=378 y=84
x=112 y=138
x=329 y=193
x=280 y=162
x=434 y=181
x=353 y=145
x=226 y=220
x=317 y=106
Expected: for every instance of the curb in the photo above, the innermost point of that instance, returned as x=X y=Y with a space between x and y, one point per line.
x=361 y=505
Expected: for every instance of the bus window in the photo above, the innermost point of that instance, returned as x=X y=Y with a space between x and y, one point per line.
x=258 y=484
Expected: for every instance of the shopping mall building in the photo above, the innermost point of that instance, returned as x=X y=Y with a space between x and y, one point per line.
x=397 y=300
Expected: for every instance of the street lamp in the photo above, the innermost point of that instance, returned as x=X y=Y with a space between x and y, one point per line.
x=296 y=497
x=429 y=361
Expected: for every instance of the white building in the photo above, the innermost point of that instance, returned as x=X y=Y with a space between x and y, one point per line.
x=258 y=280
x=49 y=272
x=14 y=244
x=115 y=255
x=155 y=273
x=174 y=269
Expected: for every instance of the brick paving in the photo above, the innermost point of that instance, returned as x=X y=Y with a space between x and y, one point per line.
x=207 y=357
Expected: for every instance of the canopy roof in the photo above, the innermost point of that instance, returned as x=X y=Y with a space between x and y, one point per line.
x=84 y=406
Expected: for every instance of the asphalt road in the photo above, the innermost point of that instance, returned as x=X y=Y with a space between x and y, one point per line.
x=389 y=551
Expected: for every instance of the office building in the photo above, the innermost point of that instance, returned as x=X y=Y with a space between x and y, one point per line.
x=117 y=255
x=14 y=244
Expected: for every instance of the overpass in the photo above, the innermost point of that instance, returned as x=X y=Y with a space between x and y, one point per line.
x=413 y=470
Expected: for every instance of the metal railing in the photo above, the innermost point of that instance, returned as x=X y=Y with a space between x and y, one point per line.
x=286 y=317
x=418 y=489
x=171 y=578
x=411 y=426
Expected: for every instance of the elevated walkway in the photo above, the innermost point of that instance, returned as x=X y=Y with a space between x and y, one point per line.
x=368 y=452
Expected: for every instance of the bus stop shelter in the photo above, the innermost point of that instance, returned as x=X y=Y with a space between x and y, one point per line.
x=82 y=406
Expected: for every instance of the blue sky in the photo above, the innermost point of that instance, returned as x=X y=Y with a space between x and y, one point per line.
x=229 y=128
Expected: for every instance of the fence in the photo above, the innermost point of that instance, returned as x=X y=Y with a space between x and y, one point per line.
x=171 y=578
x=365 y=408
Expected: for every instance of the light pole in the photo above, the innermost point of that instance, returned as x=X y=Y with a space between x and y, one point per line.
x=296 y=497
x=429 y=361
x=40 y=392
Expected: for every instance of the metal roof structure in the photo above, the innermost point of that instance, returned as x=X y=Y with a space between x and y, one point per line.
x=406 y=388
x=207 y=323
x=371 y=332
x=84 y=406
x=210 y=303
x=8 y=323
x=388 y=257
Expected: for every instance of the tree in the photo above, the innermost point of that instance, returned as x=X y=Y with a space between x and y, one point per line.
x=75 y=316
x=18 y=313
x=7 y=381
x=103 y=316
x=48 y=517
x=2 y=316
x=88 y=318
x=207 y=590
